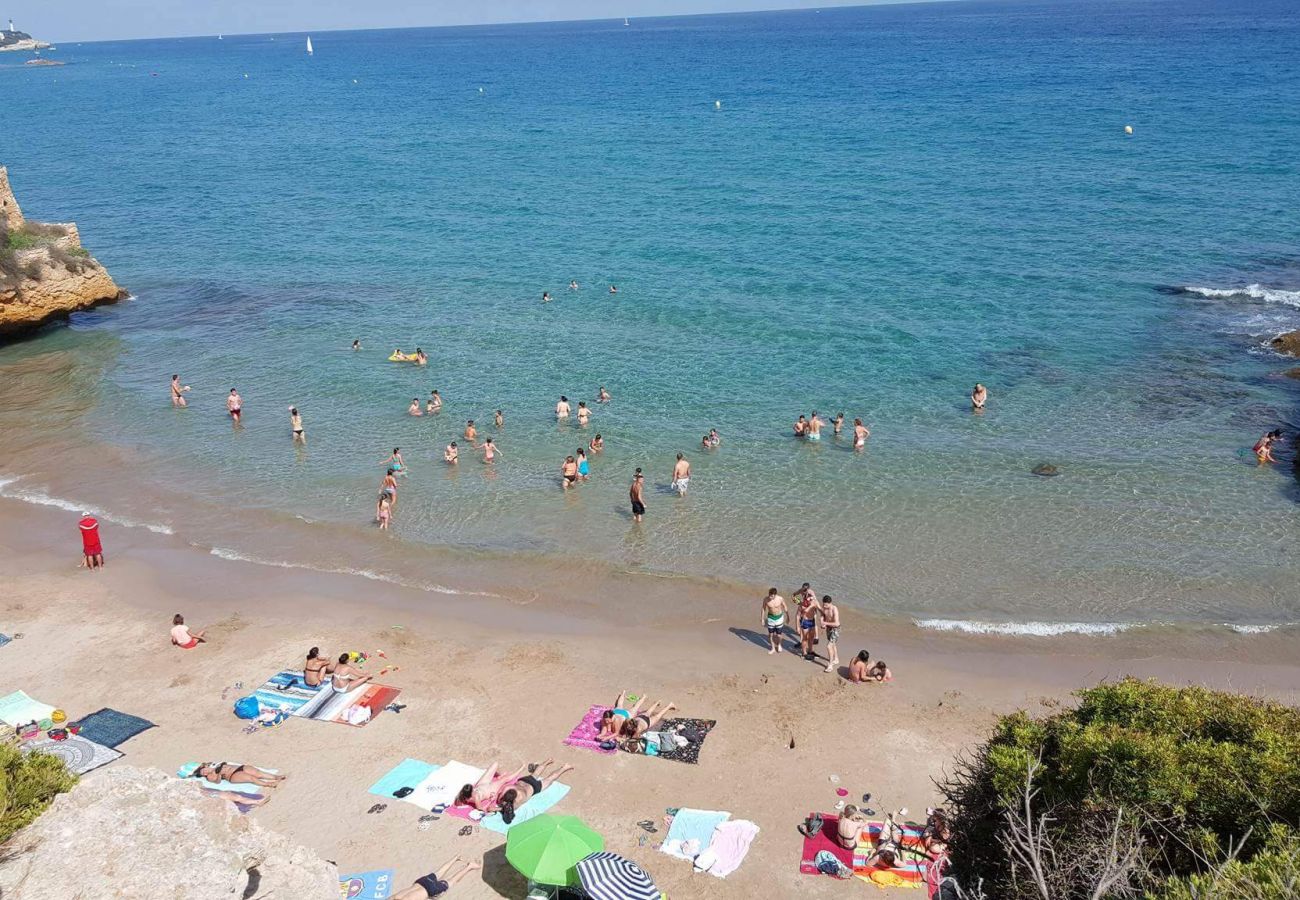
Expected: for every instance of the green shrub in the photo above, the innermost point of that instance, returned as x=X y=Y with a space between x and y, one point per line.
x=23 y=240
x=1273 y=873
x=28 y=784
x=1183 y=771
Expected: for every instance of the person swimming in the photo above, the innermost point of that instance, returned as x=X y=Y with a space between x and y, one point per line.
x=801 y=426
x=414 y=408
x=546 y=298
x=596 y=444
x=602 y=396
x=421 y=358
x=452 y=453
x=471 y=433
x=573 y=285
x=435 y=400
x=499 y=419
x=584 y=469
x=356 y=345
x=860 y=434
x=979 y=395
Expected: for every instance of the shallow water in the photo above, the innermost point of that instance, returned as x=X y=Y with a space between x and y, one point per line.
x=891 y=204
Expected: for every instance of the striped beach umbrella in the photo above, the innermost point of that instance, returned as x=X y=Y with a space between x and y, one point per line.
x=608 y=876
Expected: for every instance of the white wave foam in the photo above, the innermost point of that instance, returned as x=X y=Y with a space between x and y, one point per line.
x=1252 y=291
x=1036 y=629
x=40 y=498
x=236 y=556
x=1252 y=629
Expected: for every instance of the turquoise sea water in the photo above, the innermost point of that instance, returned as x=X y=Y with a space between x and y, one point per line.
x=890 y=204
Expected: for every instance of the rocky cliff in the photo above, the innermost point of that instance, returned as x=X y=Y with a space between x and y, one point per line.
x=138 y=833
x=45 y=273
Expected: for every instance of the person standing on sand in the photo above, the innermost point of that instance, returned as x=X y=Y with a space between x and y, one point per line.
x=809 y=612
x=978 y=397
x=91 y=548
x=178 y=391
x=860 y=434
x=831 y=620
x=235 y=405
x=182 y=636
x=562 y=408
x=435 y=884
x=681 y=475
x=774 y=614
x=295 y=422
x=636 y=493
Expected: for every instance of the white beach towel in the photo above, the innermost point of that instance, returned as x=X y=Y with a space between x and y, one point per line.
x=441 y=786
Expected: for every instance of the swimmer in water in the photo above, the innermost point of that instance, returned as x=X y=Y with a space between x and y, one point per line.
x=596 y=444
x=451 y=454
x=562 y=408
x=1264 y=448
x=546 y=298
x=490 y=451
x=584 y=468
x=395 y=462
x=383 y=511
x=681 y=475
x=179 y=391
x=414 y=408
x=613 y=289
x=569 y=472
x=815 y=424
x=421 y=358
x=429 y=408
x=471 y=433
x=435 y=400
x=235 y=406
x=838 y=422
x=356 y=345
x=573 y=285
x=584 y=414
x=715 y=439
x=979 y=396
x=499 y=419
x=389 y=487
x=860 y=434
x=636 y=493
x=603 y=395
x=801 y=427
x=295 y=422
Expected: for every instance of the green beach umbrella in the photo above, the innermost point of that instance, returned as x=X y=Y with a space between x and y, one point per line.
x=545 y=849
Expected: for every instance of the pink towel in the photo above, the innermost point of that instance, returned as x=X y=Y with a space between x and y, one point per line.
x=584 y=735
x=729 y=847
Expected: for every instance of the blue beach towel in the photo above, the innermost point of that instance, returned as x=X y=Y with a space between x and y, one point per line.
x=286 y=689
x=111 y=728
x=407 y=773
x=4 y=639
x=692 y=825
x=188 y=769
x=376 y=885
x=530 y=810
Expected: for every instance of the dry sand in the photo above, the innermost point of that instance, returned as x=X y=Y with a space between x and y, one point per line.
x=486 y=679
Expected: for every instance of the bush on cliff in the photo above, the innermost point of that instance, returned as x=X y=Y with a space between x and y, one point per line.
x=1141 y=783
x=29 y=782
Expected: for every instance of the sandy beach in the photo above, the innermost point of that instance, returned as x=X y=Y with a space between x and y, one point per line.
x=486 y=679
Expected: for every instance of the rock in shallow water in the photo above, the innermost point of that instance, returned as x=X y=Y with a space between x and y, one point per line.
x=1047 y=470
x=139 y=833
x=1288 y=343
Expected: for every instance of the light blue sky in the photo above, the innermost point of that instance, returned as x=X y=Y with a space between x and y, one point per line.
x=102 y=20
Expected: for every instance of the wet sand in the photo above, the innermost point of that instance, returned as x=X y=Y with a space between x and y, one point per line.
x=505 y=677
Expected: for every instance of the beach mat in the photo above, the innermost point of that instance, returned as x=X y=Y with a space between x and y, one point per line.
x=908 y=871
x=286 y=690
x=188 y=770
x=19 y=709
x=535 y=807
x=689 y=754
x=376 y=885
x=78 y=754
x=112 y=728
x=584 y=733
x=442 y=784
x=822 y=841
x=692 y=825
x=4 y=639
x=408 y=773
x=331 y=706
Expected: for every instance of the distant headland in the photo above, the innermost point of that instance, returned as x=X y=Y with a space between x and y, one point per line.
x=13 y=39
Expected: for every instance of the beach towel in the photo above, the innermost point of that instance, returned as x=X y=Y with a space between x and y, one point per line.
x=188 y=769
x=692 y=729
x=728 y=849
x=79 y=755
x=376 y=885
x=692 y=832
x=822 y=841
x=285 y=690
x=357 y=707
x=243 y=803
x=535 y=807
x=584 y=734
x=19 y=709
x=407 y=773
x=908 y=871
x=4 y=639
x=440 y=786
x=112 y=728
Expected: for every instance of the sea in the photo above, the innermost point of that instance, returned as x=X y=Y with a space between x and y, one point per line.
x=854 y=210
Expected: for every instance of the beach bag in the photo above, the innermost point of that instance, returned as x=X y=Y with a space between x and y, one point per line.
x=247 y=707
x=359 y=715
x=828 y=864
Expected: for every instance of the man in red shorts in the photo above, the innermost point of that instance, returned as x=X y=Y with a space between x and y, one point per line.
x=90 y=546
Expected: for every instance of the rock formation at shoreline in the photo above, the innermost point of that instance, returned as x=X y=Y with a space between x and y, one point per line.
x=139 y=833
x=1288 y=343
x=19 y=40
x=45 y=273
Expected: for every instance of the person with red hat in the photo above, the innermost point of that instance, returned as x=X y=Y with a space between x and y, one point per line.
x=90 y=545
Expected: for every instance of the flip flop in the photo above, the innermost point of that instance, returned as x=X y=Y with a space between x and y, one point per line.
x=648 y=825
x=377 y=808
x=467 y=830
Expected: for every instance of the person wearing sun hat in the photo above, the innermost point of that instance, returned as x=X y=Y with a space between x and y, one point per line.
x=91 y=547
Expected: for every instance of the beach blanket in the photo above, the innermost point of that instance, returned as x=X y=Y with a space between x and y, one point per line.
x=79 y=755
x=376 y=885
x=285 y=690
x=19 y=709
x=728 y=849
x=822 y=841
x=584 y=734
x=532 y=809
x=694 y=728
x=4 y=639
x=908 y=871
x=692 y=832
x=188 y=769
x=407 y=773
x=112 y=728
x=330 y=706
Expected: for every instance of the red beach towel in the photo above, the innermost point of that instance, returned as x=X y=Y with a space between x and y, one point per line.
x=822 y=841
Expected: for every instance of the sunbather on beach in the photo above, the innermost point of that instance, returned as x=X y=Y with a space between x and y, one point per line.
x=316 y=667
x=236 y=774
x=611 y=720
x=486 y=794
x=437 y=883
x=347 y=677
x=526 y=787
x=642 y=722
x=850 y=827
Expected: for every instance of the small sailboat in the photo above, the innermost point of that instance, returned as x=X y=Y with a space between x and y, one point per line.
x=625 y=21
x=309 y=50
x=220 y=38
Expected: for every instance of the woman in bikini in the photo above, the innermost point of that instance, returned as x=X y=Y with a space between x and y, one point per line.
x=860 y=434
x=389 y=487
x=641 y=722
x=224 y=771
x=488 y=793
x=315 y=668
x=526 y=787
x=569 y=471
x=611 y=720
x=395 y=462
